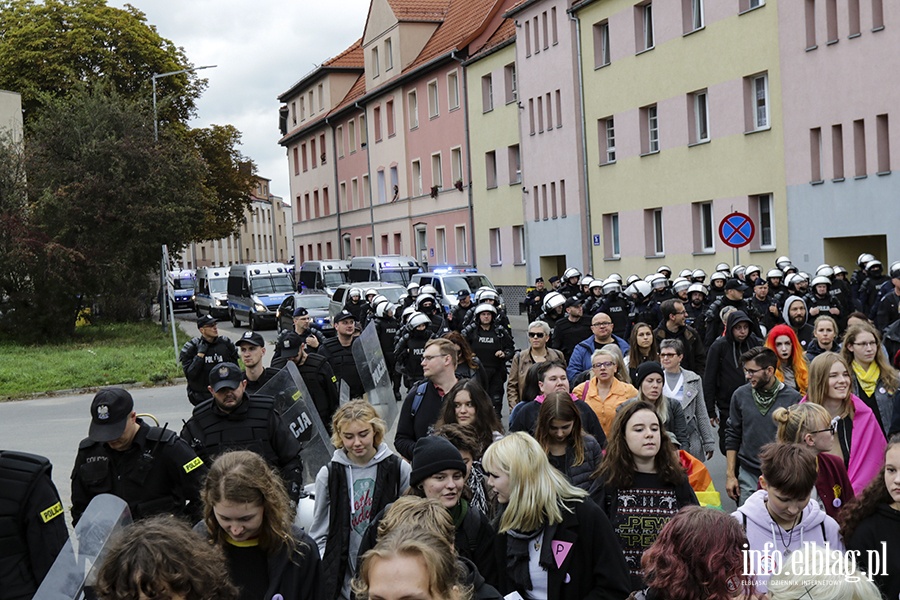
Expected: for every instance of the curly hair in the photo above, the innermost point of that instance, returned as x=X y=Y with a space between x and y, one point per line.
x=889 y=377
x=635 y=358
x=466 y=355
x=160 y=557
x=798 y=357
x=243 y=476
x=559 y=406
x=695 y=555
x=865 y=504
x=361 y=411
x=485 y=422
x=617 y=468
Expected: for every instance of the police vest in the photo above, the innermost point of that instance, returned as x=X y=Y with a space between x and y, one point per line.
x=213 y=433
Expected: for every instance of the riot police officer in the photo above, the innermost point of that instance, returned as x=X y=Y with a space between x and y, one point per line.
x=150 y=468
x=534 y=299
x=201 y=354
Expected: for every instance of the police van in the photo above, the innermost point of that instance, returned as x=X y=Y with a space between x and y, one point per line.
x=255 y=291
x=390 y=268
x=449 y=281
x=181 y=288
x=323 y=275
x=211 y=292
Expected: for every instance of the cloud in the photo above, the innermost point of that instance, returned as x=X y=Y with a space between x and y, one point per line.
x=260 y=48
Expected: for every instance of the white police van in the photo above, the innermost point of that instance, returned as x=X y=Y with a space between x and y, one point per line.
x=390 y=268
x=211 y=292
x=255 y=291
x=449 y=281
x=181 y=288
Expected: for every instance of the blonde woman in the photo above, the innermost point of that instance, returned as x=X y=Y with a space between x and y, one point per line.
x=552 y=543
x=604 y=392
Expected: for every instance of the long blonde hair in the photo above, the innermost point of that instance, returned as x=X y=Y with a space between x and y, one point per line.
x=537 y=491
x=819 y=369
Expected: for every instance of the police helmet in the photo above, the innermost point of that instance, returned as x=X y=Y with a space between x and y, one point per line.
x=790 y=269
x=737 y=270
x=874 y=264
x=723 y=267
x=423 y=298
x=371 y=292
x=698 y=275
x=686 y=273
x=407 y=313
x=894 y=270
x=718 y=275
x=412 y=285
x=821 y=279
x=418 y=319
x=864 y=258
x=617 y=277
x=782 y=261
x=639 y=288
x=485 y=308
x=631 y=279
x=803 y=276
x=481 y=291
x=428 y=289
x=773 y=273
x=354 y=292
x=489 y=295
x=665 y=271
x=824 y=271
x=838 y=269
x=751 y=269
x=611 y=286
x=790 y=279
x=649 y=278
x=596 y=283
x=383 y=309
x=658 y=282
x=698 y=287
x=680 y=285
x=571 y=272
x=553 y=300
x=586 y=280
x=378 y=299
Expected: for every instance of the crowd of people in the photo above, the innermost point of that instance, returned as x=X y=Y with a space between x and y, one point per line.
x=594 y=486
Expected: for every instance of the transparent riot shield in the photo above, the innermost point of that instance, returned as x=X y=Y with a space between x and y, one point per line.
x=343 y=393
x=73 y=572
x=374 y=373
x=298 y=410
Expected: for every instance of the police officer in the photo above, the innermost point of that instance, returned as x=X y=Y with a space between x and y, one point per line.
x=32 y=528
x=201 y=354
x=571 y=330
x=494 y=347
x=339 y=354
x=304 y=326
x=617 y=305
x=150 y=468
x=316 y=374
x=534 y=300
x=387 y=327
x=458 y=314
x=252 y=347
x=232 y=420
x=571 y=286
x=410 y=348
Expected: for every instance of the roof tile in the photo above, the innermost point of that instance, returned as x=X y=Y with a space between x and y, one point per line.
x=351 y=57
x=420 y=10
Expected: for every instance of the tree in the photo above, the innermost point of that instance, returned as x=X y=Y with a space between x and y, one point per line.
x=48 y=47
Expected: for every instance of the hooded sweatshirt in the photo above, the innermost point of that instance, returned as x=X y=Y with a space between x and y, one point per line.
x=724 y=372
x=361 y=485
x=805 y=331
x=883 y=526
x=815 y=527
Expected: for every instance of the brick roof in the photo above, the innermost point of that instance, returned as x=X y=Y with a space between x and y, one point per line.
x=351 y=57
x=420 y=10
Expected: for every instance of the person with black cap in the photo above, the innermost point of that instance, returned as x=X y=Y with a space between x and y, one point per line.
x=252 y=347
x=232 y=420
x=534 y=299
x=733 y=296
x=764 y=304
x=303 y=325
x=150 y=468
x=457 y=316
x=555 y=283
x=338 y=352
x=201 y=354
x=32 y=527
x=316 y=373
x=571 y=330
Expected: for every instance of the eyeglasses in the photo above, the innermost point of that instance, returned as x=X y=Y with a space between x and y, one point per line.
x=536 y=334
x=830 y=429
x=752 y=371
x=426 y=357
x=602 y=324
x=667 y=355
x=603 y=365
x=866 y=344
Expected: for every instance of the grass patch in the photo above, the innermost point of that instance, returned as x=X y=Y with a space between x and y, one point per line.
x=107 y=354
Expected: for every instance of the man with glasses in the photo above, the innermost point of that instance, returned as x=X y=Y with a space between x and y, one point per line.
x=602 y=329
x=674 y=327
x=423 y=402
x=750 y=425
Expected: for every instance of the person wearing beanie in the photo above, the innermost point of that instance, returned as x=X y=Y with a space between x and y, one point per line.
x=439 y=473
x=649 y=382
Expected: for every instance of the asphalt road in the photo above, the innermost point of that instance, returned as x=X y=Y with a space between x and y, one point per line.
x=54 y=426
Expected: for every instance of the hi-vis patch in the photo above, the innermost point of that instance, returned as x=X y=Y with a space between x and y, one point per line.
x=52 y=512
x=193 y=465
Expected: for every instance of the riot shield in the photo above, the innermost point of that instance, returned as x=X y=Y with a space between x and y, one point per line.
x=73 y=571
x=374 y=373
x=343 y=393
x=298 y=410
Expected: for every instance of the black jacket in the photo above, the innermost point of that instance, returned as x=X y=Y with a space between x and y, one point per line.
x=340 y=358
x=485 y=343
x=197 y=368
x=724 y=371
x=411 y=427
x=694 y=350
x=582 y=552
x=321 y=382
x=567 y=334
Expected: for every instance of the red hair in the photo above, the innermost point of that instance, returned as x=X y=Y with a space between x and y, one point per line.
x=798 y=356
x=698 y=554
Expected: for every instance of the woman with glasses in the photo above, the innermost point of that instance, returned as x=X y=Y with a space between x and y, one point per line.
x=642 y=346
x=537 y=352
x=810 y=424
x=859 y=441
x=603 y=392
x=874 y=380
x=686 y=388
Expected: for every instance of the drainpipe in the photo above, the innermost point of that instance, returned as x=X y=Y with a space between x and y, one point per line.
x=585 y=163
x=337 y=186
x=465 y=100
x=369 y=169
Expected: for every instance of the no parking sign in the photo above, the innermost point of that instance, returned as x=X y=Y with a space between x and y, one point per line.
x=737 y=230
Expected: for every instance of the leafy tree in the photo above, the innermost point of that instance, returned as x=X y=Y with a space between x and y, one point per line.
x=48 y=47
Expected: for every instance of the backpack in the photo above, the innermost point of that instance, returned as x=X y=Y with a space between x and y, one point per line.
x=417 y=400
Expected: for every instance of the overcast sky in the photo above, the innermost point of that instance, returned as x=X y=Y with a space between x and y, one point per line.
x=261 y=48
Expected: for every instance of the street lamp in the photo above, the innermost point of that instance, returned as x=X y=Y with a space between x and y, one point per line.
x=160 y=76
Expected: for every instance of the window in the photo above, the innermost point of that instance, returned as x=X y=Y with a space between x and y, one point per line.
x=884 y=148
x=693 y=15
x=553 y=28
x=321 y=89
x=545 y=206
x=380 y=182
x=389 y=116
x=487 y=93
x=656 y=226
x=756 y=89
x=545 y=30
x=394 y=182
x=515 y=164
x=518 y=234
x=437 y=178
x=558 y=108
x=385 y=244
x=293 y=115
x=303 y=157
x=537 y=35
x=699 y=117
x=440 y=243
x=416 y=178
x=462 y=245
x=877 y=15
x=562 y=199
x=831 y=21
x=606 y=133
x=302 y=108
x=398 y=243
x=549 y=112
x=527 y=38
x=611 y=235
x=810 y=14
x=351 y=129
x=313 y=154
x=342 y=190
x=746 y=5
x=296 y=161
x=490 y=168
x=375 y=64
x=649 y=130
x=837 y=152
x=644 y=17
x=453 y=90
x=531 y=116
x=815 y=154
x=366 y=199
x=434 y=108
x=388 y=55
x=316 y=202
x=554 y=212
x=363 y=132
x=510 y=83
x=339 y=133
x=348 y=252
x=540 y=113
x=326 y=203
x=496 y=250
x=312 y=110
x=859 y=147
x=353 y=200
x=412 y=104
x=704 y=241
x=376 y=116
x=763 y=205
x=601 y=44
x=853 y=18
x=456 y=166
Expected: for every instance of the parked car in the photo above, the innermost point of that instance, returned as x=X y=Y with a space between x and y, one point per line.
x=448 y=282
x=255 y=291
x=316 y=304
x=391 y=291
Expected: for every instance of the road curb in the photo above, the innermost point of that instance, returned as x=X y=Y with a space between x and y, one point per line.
x=96 y=388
